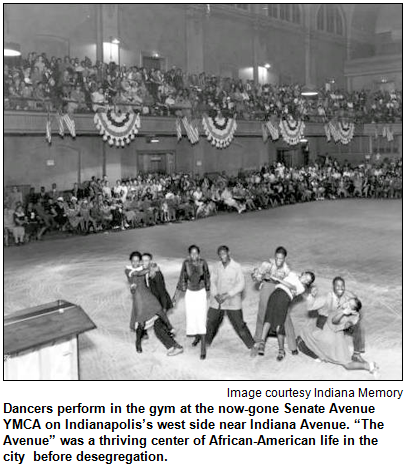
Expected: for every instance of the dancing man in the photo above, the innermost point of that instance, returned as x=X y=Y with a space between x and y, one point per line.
x=331 y=303
x=329 y=344
x=156 y=282
x=227 y=285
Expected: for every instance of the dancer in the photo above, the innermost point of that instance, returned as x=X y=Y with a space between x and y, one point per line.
x=146 y=308
x=330 y=303
x=328 y=344
x=278 y=304
x=227 y=286
x=156 y=282
x=194 y=280
x=276 y=267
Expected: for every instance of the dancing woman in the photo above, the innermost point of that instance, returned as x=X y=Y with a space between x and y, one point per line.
x=329 y=344
x=275 y=267
x=146 y=307
x=278 y=304
x=194 y=280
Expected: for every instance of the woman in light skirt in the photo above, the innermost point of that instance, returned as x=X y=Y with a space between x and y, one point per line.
x=194 y=280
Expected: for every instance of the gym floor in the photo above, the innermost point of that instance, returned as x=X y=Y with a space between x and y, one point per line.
x=360 y=240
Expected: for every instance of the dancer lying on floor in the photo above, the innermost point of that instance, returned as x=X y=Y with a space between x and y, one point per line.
x=329 y=343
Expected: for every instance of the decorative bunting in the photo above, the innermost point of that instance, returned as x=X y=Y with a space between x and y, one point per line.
x=219 y=130
x=117 y=128
x=346 y=131
x=264 y=133
x=342 y=132
x=387 y=132
x=292 y=131
x=192 y=130
x=48 y=130
x=61 y=128
x=178 y=129
x=327 y=131
x=70 y=124
x=62 y=119
x=273 y=129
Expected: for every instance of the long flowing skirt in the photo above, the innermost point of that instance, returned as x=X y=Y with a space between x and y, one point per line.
x=328 y=345
x=196 y=312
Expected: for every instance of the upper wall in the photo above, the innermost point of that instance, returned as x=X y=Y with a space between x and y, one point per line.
x=62 y=29
x=153 y=29
x=223 y=40
x=184 y=35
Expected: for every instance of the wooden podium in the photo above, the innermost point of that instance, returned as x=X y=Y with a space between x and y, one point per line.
x=41 y=343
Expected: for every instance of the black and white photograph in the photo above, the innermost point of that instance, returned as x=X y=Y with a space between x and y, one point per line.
x=202 y=191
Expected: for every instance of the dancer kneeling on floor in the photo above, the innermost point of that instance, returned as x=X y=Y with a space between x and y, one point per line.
x=147 y=309
x=329 y=344
x=194 y=280
x=278 y=304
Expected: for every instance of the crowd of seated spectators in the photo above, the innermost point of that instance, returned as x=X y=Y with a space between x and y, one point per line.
x=151 y=199
x=70 y=85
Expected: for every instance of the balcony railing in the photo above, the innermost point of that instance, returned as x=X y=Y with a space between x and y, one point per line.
x=34 y=122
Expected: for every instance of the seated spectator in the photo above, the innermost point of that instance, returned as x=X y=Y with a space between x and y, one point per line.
x=8 y=223
x=87 y=220
x=98 y=100
x=54 y=194
x=106 y=215
x=57 y=211
x=20 y=222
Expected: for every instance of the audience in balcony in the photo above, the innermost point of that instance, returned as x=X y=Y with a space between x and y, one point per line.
x=40 y=83
x=151 y=199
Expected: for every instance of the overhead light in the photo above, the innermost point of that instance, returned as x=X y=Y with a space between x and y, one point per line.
x=11 y=49
x=115 y=41
x=303 y=140
x=153 y=139
x=309 y=90
x=267 y=66
x=155 y=55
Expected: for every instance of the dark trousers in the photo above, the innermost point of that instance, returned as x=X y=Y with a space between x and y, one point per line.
x=215 y=318
x=162 y=333
x=358 y=335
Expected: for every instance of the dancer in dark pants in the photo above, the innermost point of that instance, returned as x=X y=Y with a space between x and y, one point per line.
x=146 y=307
x=227 y=286
x=156 y=284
